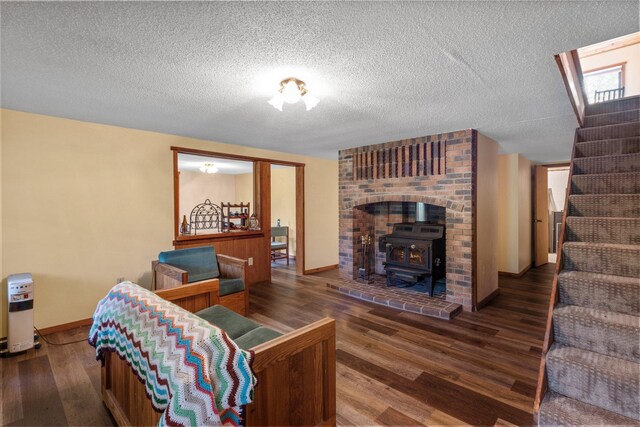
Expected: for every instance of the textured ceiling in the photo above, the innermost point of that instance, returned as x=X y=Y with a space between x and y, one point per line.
x=383 y=70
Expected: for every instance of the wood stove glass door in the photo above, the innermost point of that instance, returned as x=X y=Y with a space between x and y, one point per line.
x=395 y=254
x=419 y=256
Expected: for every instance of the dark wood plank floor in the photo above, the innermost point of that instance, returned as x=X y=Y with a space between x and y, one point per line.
x=394 y=368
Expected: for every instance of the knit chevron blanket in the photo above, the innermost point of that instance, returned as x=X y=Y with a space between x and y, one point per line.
x=193 y=372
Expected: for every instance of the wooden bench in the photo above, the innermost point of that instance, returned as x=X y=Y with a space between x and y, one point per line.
x=296 y=374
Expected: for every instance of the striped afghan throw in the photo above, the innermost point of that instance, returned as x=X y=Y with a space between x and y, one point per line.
x=193 y=372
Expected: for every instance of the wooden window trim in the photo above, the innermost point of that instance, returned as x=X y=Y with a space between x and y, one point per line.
x=610 y=45
x=233 y=156
x=261 y=203
x=622 y=66
x=180 y=239
x=213 y=237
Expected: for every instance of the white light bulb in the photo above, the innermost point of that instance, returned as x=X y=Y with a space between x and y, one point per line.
x=291 y=93
x=277 y=102
x=310 y=101
x=208 y=168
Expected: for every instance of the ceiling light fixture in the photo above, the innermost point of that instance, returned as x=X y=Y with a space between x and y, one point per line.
x=291 y=90
x=208 y=168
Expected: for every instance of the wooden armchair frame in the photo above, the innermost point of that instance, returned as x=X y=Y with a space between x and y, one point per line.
x=165 y=276
x=296 y=374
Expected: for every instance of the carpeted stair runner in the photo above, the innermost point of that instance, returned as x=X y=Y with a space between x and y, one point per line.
x=600 y=291
x=606 y=332
x=595 y=378
x=605 y=258
x=624 y=130
x=562 y=410
x=593 y=366
x=611 y=118
x=624 y=104
x=606 y=183
x=624 y=231
x=607 y=164
x=605 y=205
x=608 y=147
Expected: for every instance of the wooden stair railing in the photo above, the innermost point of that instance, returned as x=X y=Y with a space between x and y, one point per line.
x=541 y=388
x=609 y=95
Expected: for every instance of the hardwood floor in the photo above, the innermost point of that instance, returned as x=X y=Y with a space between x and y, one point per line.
x=394 y=368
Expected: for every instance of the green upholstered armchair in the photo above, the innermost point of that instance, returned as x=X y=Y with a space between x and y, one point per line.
x=200 y=265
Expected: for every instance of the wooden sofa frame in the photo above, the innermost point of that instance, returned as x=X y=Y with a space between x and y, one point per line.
x=165 y=276
x=296 y=374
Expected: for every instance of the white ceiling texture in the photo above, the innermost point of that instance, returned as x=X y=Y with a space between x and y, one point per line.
x=382 y=70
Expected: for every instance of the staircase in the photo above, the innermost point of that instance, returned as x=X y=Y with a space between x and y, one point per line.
x=591 y=361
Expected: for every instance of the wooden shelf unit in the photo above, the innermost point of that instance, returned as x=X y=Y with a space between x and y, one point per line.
x=228 y=216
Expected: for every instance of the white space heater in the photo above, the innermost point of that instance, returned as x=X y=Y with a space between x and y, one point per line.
x=20 y=336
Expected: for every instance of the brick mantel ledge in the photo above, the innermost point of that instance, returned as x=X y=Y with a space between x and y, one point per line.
x=401 y=197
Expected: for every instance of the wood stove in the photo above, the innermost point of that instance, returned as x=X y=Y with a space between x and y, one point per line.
x=415 y=253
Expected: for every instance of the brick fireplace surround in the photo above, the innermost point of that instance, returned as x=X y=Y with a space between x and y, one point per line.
x=439 y=170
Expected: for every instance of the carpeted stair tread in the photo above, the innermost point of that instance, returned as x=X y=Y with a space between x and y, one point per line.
x=616 y=205
x=605 y=258
x=600 y=331
x=600 y=291
x=624 y=104
x=559 y=410
x=625 y=231
x=607 y=164
x=622 y=130
x=606 y=183
x=608 y=382
x=611 y=118
x=608 y=147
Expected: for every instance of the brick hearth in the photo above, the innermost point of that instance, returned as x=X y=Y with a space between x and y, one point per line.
x=400 y=298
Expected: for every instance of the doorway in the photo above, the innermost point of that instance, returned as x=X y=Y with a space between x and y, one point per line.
x=551 y=183
x=557 y=181
x=284 y=224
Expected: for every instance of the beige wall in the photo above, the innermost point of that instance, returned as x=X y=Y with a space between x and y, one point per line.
x=244 y=189
x=3 y=281
x=84 y=204
x=487 y=218
x=524 y=212
x=321 y=213
x=283 y=201
x=628 y=54
x=514 y=213
x=558 y=180
x=507 y=212
x=195 y=187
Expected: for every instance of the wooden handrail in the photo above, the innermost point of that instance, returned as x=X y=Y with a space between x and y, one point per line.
x=541 y=388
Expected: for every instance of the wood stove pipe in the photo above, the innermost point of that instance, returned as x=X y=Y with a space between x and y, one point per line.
x=421 y=212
